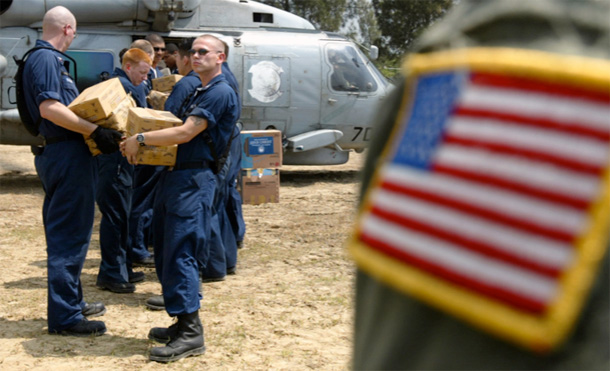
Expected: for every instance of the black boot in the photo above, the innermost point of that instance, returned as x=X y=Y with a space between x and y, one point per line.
x=188 y=341
x=163 y=334
x=155 y=303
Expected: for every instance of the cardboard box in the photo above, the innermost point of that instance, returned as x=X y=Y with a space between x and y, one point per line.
x=157 y=99
x=117 y=121
x=165 y=83
x=260 y=186
x=261 y=149
x=97 y=102
x=142 y=120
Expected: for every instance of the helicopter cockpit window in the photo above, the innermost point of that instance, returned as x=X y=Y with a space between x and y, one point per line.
x=349 y=70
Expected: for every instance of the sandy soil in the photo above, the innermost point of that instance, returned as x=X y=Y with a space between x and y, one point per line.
x=289 y=307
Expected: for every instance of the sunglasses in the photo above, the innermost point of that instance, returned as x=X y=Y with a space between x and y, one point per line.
x=159 y=49
x=201 y=52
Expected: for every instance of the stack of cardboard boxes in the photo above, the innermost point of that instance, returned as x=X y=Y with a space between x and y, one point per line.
x=106 y=104
x=142 y=120
x=162 y=87
x=260 y=163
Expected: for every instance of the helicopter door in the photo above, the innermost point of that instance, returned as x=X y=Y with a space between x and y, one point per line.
x=345 y=96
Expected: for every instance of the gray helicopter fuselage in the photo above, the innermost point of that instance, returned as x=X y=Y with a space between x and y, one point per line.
x=317 y=88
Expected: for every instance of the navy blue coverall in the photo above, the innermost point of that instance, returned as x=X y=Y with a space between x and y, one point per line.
x=223 y=247
x=181 y=92
x=183 y=201
x=68 y=174
x=114 y=193
x=233 y=200
x=145 y=178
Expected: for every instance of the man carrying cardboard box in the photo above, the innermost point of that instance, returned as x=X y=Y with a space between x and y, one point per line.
x=114 y=191
x=144 y=180
x=183 y=206
x=68 y=175
x=187 y=85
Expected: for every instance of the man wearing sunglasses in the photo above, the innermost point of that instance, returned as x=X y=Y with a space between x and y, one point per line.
x=159 y=46
x=183 y=203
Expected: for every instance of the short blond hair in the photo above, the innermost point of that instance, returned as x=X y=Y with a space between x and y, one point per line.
x=135 y=56
x=143 y=45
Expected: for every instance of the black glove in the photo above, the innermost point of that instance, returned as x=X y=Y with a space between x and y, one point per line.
x=107 y=140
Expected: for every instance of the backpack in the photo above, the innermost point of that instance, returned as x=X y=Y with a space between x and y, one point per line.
x=30 y=124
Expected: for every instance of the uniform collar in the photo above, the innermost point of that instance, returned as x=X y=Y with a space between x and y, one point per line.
x=119 y=72
x=214 y=81
x=44 y=43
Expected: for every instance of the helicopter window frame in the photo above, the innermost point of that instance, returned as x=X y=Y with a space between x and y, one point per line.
x=94 y=66
x=349 y=72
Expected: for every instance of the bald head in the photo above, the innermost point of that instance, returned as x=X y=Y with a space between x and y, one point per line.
x=59 y=27
x=56 y=18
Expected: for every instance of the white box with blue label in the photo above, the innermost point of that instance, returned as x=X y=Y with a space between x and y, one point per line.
x=261 y=149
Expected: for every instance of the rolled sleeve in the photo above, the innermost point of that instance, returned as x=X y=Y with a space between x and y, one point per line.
x=205 y=114
x=47 y=95
x=45 y=79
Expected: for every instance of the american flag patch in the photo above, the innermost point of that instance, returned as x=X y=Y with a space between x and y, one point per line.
x=493 y=194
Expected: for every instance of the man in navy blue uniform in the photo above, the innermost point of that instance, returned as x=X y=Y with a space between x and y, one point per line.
x=115 y=190
x=183 y=202
x=145 y=179
x=223 y=249
x=236 y=228
x=153 y=73
x=68 y=175
x=179 y=96
x=158 y=45
x=186 y=85
x=222 y=256
x=171 y=54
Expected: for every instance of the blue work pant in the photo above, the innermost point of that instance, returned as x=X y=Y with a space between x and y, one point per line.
x=68 y=175
x=234 y=201
x=181 y=219
x=145 y=179
x=114 y=192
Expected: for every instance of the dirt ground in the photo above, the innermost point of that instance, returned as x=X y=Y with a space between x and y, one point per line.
x=288 y=308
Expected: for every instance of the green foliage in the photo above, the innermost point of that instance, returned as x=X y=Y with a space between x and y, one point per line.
x=363 y=28
x=392 y=25
x=324 y=14
x=389 y=66
x=402 y=21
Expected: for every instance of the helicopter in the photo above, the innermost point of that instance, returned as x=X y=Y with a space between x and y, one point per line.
x=318 y=88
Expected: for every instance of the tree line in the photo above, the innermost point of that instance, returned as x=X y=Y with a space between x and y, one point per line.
x=391 y=25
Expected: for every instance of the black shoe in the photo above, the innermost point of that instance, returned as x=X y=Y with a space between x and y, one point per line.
x=240 y=244
x=135 y=277
x=116 y=287
x=205 y=279
x=149 y=261
x=94 y=309
x=231 y=271
x=155 y=303
x=84 y=328
x=188 y=341
x=163 y=334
